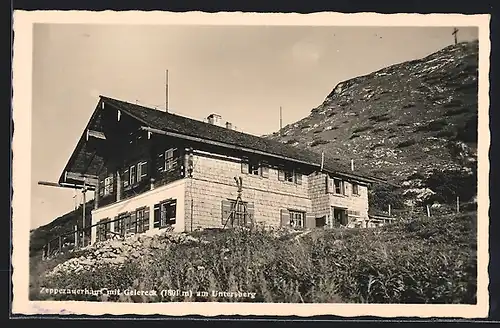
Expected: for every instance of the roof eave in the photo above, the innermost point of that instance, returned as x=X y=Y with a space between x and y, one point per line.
x=79 y=145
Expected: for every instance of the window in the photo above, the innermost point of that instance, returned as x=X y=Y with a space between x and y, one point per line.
x=122 y=223
x=296 y=219
x=142 y=170
x=142 y=217
x=165 y=213
x=293 y=218
x=170 y=160
x=290 y=176
x=355 y=189
x=255 y=168
x=132 y=175
x=108 y=186
x=131 y=223
x=103 y=230
x=237 y=213
x=336 y=186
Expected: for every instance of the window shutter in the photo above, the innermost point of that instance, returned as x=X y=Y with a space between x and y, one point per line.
x=244 y=167
x=146 y=219
x=139 y=171
x=285 y=218
x=310 y=221
x=226 y=210
x=115 y=224
x=345 y=187
x=133 y=222
x=144 y=169
x=126 y=178
x=171 y=212
x=298 y=178
x=264 y=170
x=250 y=214
x=281 y=175
x=111 y=184
x=156 y=216
x=330 y=186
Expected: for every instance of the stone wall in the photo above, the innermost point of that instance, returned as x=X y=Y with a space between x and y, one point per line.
x=213 y=181
x=319 y=198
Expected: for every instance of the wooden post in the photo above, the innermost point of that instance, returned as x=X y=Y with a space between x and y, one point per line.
x=96 y=195
x=48 y=249
x=84 y=191
x=76 y=236
x=60 y=244
x=118 y=186
x=458 y=204
x=44 y=250
x=428 y=211
x=389 y=209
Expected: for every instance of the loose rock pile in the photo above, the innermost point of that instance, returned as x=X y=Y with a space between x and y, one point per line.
x=116 y=252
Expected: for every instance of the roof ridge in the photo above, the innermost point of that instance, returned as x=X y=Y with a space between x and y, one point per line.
x=330 y=163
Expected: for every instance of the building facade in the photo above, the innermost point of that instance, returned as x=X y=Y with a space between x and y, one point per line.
x=151 y=170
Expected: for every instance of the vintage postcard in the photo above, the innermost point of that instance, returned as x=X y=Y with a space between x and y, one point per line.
x=275 y=164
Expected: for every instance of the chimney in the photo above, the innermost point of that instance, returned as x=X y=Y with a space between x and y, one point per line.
x=229 y=125
x=215 y=119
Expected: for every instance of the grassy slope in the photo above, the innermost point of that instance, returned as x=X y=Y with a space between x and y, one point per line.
x=423 y=260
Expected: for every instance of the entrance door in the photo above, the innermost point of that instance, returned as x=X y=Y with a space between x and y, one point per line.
x=339 y=216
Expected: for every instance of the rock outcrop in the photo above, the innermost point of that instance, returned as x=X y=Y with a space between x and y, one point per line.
x=414 y=118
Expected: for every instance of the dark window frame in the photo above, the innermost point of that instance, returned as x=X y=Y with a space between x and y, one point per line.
x=165 y=213
x=297 y=216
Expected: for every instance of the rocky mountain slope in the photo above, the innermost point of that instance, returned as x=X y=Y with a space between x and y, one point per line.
x=414 y=123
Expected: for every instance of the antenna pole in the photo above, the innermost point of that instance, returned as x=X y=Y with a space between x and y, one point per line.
x=166 y=90
x=281 y=119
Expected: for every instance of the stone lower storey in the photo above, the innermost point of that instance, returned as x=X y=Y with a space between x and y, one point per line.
x=191 y=204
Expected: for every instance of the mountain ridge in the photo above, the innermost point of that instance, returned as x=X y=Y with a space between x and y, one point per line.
x=409 y=122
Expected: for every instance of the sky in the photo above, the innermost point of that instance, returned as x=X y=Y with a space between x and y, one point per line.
x=244 y=73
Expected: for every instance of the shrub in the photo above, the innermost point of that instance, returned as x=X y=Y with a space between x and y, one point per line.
x=362 y=129
x=406 y=143
x=420 y=260
x=379 y=118
x=375 y=146
x=354 y=136
x=457 y=111
x=381 y=195
x=449 y=184
x=453 y=103
x=435 y=125
x=445 y=134
x=319 y=142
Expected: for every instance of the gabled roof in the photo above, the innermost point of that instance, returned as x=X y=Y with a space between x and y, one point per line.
x=205 y=132
x=169 y=122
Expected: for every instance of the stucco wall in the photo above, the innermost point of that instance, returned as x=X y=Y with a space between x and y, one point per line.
x=175 y=190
